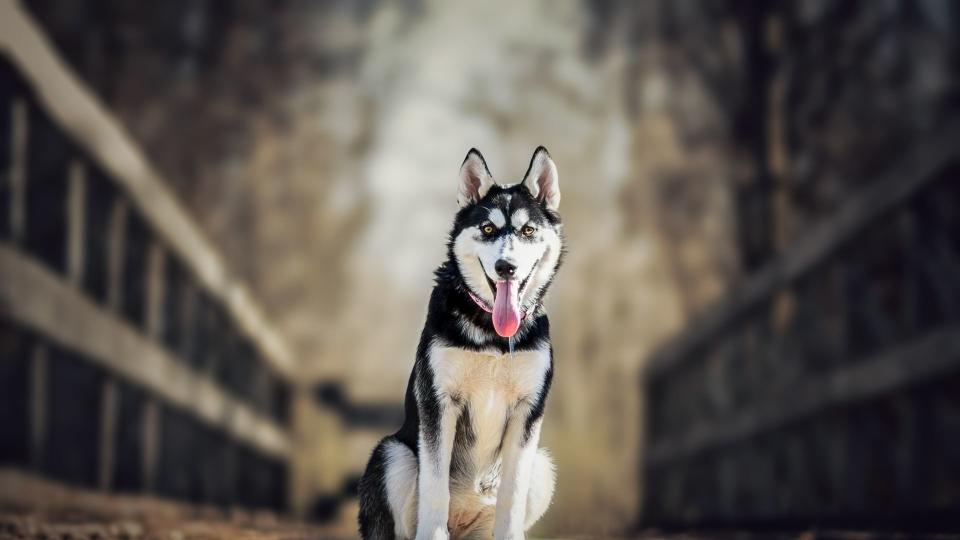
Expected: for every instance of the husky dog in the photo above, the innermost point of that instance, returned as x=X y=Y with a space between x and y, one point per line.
x=466 y=462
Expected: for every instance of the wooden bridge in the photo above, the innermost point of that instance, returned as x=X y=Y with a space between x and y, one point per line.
x=823 y=389
x=117 y=318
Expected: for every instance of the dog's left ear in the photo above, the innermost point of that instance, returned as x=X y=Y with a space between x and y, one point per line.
x=542 y=180
x=475 y=178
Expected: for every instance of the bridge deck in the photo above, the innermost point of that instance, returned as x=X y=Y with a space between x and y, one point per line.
x=34 y=508
x=31 y=507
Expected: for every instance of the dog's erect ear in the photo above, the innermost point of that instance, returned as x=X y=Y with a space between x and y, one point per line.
x=475 y=178
x=542 y=180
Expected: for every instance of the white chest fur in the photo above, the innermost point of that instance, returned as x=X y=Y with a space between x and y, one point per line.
x=492 y=385
x=466 y=375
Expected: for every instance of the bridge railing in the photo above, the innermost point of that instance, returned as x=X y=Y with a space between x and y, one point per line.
x=825 y=387
x=130 y=357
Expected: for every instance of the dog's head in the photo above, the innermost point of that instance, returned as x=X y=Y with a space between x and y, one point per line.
x=506 y=240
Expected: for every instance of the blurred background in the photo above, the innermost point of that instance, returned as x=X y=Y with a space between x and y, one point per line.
x=219 y=221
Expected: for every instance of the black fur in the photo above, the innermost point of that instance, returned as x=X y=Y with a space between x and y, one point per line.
x=376 y=521
x=450 y=303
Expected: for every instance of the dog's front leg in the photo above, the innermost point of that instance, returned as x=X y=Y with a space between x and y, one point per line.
x=519 y=450
x=437 y=431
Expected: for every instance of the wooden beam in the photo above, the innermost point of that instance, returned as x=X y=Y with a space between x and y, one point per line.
x=35 y=297
x=922 y=359
x=919 y=167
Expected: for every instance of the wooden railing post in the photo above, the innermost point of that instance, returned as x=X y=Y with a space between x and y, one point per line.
x=116 y=244
x=187 y=317
x=116 y=247
x=156 y=262
x=76 y=221
x=150 y=444
x=18 y=169
x=38 y=404
x=150 y=434
x=108 y=432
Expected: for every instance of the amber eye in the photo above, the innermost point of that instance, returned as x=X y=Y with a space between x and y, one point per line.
x=488 y=229
x=528 y=231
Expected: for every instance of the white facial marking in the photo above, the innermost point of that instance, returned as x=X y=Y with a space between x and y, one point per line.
x=497 y=218
x=469 y=250
x=519 y=218
x=506 y=247
x=477 y=259
x=549 y=253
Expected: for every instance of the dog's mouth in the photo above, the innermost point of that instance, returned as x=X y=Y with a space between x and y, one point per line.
x=506 y=309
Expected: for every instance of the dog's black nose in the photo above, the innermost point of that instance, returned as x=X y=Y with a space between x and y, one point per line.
x=504 y=268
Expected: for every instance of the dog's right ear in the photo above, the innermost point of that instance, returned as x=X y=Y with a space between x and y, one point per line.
x=475 y=178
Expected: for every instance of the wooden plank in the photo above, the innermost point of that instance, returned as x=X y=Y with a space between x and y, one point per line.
x=38 y=404
x=35 y=297
x=108 y=432
x=156 y=260
x=75 y=109
x=116 y=246
x=19 y=128
x=894 y=187
x=187 y=321
x=923 y=358
x=76 y=208
x=150 y=439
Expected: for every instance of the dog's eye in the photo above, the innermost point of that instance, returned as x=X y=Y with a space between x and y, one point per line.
x=488 y=229
x=528 y=231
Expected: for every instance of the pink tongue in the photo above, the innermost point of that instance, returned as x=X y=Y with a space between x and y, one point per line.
x=506 y=309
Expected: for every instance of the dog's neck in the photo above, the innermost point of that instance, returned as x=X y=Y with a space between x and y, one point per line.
x=456 y=318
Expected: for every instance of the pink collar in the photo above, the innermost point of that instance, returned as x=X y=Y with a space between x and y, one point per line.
x=479 y=302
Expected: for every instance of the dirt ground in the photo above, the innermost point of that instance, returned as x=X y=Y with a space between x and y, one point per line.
x=33 y=508
x=38 y=509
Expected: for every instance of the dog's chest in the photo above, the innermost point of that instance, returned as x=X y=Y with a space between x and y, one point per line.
x=468 y=375
x=489 y=387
